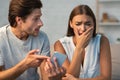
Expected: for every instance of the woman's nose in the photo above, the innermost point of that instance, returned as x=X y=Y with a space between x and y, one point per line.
x=83 y=28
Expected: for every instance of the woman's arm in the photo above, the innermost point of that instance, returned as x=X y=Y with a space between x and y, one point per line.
x=81 y=42
x=105 y=63
x=105 y=60
x=73 y=67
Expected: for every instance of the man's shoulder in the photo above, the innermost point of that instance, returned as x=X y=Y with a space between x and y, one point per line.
x=42 y=34
x=3 y=33
x=3 y=29
x=2 y=36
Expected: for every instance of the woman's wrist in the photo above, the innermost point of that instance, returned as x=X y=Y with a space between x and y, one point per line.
x=80 y=50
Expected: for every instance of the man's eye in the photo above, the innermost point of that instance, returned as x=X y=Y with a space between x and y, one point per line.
x=36 y=19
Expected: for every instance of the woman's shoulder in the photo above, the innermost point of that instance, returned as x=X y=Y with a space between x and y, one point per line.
x=58 y=46
x=103 y=38
x=104 y=41
x=62 y=40
x=65 y=39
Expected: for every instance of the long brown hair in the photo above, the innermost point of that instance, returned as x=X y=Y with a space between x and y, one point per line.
x=81 y=9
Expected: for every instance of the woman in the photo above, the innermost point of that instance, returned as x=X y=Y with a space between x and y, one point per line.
x=88 y=53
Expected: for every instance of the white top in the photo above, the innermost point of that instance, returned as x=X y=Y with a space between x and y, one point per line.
x=91 y=66
x=13 y=50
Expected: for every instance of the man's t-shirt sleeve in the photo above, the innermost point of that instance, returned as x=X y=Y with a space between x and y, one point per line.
x=1 y=59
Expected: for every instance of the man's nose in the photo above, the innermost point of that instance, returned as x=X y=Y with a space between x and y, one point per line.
x=40 y=23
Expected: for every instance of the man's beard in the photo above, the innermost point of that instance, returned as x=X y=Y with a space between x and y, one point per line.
x=33 y=33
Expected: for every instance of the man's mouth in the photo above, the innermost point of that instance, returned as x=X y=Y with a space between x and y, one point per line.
x=37 y=30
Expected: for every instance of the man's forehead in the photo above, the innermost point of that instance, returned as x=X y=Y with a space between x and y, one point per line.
x=36 y=12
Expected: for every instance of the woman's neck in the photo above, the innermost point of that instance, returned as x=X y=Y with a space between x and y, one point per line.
x=19 y=34
x=74 y=40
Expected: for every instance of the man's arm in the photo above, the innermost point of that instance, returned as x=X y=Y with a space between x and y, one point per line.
x=13 y=72
x=31 y=60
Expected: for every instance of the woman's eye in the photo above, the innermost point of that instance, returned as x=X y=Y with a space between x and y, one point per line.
x=88 y=24
x=78 y=24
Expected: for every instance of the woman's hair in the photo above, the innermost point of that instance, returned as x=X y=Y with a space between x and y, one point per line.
x=79 y=10
x=21 y=8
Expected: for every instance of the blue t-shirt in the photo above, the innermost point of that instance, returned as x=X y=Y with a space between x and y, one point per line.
x=13 y=50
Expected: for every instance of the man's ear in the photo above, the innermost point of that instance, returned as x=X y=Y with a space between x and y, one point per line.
x=18 y=20
x=71 y=24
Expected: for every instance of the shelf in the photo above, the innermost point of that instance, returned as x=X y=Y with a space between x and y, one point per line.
x=109 y=24
x=109 y=0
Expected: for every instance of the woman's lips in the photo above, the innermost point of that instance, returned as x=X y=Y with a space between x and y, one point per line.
x=79 y=33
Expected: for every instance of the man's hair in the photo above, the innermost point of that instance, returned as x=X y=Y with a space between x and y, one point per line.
x=21 y=8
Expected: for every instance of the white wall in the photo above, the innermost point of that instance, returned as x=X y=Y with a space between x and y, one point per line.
x=55 y=15
x=4 y=12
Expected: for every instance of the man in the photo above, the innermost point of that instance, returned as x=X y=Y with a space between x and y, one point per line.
x=23 y=47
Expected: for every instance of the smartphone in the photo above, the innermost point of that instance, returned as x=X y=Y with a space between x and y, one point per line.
x=60 y=58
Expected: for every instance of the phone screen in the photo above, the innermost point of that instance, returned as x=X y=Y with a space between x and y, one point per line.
x=60 y=58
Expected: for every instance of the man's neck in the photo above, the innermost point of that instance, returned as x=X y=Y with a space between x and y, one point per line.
x=19 y=34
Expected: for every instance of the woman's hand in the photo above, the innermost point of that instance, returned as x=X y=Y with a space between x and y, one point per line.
x=69 y=77
x=83 y=39
x=53 y=70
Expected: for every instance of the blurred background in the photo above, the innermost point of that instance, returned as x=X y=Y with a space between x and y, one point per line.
x=55 y=18
x=56 y=14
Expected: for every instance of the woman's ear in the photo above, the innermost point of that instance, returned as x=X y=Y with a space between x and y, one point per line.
x=71 y=24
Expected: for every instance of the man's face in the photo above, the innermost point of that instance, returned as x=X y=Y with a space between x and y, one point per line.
x=32 y=23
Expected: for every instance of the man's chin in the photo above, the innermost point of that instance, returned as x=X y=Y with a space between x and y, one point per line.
x=34 y=34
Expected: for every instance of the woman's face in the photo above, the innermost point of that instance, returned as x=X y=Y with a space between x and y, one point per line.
x=80 y=23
